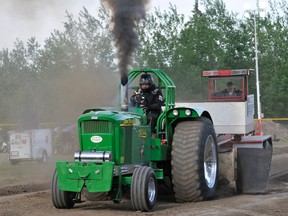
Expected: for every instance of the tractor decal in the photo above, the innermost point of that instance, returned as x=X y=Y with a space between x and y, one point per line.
x=96 y=139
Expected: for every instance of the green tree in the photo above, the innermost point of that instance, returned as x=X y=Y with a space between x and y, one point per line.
x=159 y=36
x=273 y=66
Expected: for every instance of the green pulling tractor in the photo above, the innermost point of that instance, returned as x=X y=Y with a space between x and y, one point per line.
x=118 y=155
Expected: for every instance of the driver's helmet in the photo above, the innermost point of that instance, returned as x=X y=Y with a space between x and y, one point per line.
x=146 y=79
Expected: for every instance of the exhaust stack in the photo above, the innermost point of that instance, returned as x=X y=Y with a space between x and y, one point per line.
x=125 y=16
x=124 y=97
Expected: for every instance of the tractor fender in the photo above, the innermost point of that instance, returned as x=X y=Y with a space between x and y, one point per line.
x=196 y=112
x=202 y=112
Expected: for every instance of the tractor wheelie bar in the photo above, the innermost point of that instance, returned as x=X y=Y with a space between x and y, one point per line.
x=118 y=155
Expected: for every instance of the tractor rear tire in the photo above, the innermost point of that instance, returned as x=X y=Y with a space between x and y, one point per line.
x=143 y=189
x=194 y=161
x=95 y=196
x=61 y=199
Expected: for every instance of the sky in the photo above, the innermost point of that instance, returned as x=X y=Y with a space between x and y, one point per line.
x=23 y=19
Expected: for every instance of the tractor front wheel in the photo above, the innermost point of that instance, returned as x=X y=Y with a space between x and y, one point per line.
x=194 y=160
x=143 y=189
x=61 y=199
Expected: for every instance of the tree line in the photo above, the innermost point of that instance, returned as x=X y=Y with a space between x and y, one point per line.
x=76 y=68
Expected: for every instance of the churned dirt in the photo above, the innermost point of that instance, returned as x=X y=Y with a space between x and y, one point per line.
x=25 y=190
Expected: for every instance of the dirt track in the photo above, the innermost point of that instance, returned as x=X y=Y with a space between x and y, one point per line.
x=25 y=191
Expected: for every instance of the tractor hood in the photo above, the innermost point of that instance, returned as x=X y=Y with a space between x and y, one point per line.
x=116 y=117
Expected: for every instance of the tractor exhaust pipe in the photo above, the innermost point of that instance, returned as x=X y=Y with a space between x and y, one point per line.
x=124 y=97
x=125 y=16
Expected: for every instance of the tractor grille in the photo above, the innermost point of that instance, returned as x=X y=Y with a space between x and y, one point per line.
x=98 y=126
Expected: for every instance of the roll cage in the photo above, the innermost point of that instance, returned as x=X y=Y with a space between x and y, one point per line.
x=161 y=80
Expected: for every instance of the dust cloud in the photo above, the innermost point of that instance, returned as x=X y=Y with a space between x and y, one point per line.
x=59 y=101
x=55 y=101
x=84 y=90
x=62 y=99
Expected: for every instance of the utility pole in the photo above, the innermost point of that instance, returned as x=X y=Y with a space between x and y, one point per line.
x=259 y=112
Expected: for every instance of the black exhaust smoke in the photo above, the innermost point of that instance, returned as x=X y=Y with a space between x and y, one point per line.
x=125 y=15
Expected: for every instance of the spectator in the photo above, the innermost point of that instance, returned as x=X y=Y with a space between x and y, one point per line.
x=231 y=90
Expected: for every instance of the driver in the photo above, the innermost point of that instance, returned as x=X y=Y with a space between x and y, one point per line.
x=149 y=98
